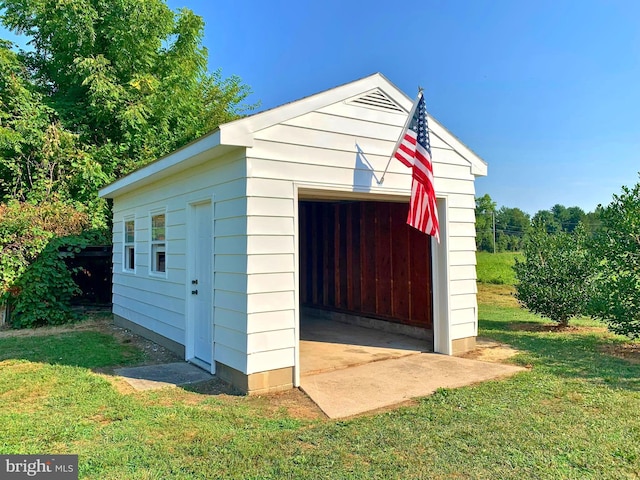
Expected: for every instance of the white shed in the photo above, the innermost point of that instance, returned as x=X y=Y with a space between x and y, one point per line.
x=218 y=247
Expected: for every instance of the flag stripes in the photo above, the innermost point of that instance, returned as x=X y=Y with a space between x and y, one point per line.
x=414 y=151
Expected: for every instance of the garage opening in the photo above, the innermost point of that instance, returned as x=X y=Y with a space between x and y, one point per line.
x=365 y=281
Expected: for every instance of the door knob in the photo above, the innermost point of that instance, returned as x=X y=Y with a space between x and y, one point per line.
x=194 y=292
x=194 y=282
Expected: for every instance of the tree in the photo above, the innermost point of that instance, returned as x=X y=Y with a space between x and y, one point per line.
x=547 y=220
x=105 y=88
x=485 y=211
x=617 y=247
x=554 y=277
x=39 y=158
x=593 y=220
x=573 y=217
x=560 y=218
x=511 y=226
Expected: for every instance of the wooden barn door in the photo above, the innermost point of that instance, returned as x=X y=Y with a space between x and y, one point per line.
x=362 y=258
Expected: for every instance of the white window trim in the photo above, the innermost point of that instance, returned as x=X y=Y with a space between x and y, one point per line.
x=152 y=242
x=125 y=244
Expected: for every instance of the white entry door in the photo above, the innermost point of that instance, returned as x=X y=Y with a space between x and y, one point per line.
x=201 y=287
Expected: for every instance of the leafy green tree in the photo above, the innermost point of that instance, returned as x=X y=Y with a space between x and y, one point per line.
x=560 y=218
x=553 y=280
x=559 y=213
x=547 y=220
x=106 y=87
x=511 y=226
x=573 y=217
x=617 y=246
x=39 y=158
x=485 y=210
x=26 y=229
x=593 y=220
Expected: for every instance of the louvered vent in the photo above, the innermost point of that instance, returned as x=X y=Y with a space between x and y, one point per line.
x=377 y=99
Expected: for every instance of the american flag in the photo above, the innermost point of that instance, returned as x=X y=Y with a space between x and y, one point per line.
x=414 y=151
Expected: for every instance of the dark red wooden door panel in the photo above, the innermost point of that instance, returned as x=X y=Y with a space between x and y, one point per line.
x=362 y=258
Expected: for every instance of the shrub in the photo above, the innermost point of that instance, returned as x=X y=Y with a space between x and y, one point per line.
x=25 y=230
x=554 y=277
x=42 y=295
x=617 y=246
x=34 y=241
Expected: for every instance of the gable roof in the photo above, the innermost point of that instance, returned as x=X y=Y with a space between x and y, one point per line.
x=374 y=91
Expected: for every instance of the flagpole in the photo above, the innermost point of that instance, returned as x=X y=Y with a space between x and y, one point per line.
x=404 y=129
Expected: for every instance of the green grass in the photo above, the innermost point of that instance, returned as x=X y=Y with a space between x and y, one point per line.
x=87 y=349
x=496 y=268
x=572 y=415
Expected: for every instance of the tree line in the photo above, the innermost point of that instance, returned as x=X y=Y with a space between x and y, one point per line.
x=504 y=229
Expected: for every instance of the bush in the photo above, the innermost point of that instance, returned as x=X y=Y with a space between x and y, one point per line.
x=26 y=229
x=42 y=295
x=34 y=241
x=617 y=246
x=554 y=277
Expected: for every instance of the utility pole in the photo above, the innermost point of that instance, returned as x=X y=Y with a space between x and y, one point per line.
x=493 y=214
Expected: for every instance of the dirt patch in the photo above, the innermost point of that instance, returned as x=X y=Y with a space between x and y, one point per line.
x=497 y=295
x=490 y=351
x=215 y=386
x=153 y=353
x=626 y=351
x=93 y=322
x=295 y=402
x=99 y=320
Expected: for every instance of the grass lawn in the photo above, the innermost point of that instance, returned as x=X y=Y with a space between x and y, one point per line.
x=574 y=414
x=496 y=268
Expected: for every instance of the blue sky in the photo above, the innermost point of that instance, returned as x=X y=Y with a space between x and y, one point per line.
x=547 y=92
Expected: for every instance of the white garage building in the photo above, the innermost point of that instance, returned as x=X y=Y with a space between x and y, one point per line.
x=220 y=246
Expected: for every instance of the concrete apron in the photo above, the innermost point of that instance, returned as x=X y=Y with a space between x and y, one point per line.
x=348 y=369
x=351 y=391
x=153 y=377
x=327 y=345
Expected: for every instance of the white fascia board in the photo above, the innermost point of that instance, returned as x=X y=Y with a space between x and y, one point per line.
x=235 y=134
x=478 y=165
x=254 y=123
x=222 y=139
x=192 y=149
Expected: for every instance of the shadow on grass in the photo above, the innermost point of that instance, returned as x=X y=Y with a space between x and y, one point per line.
x=568 y=355
x=87 y=349
x=91 y=350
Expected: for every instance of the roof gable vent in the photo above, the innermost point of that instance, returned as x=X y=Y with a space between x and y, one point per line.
x=377 y=100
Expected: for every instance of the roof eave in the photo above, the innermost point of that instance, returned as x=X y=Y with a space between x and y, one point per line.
x=221 y=140
x=478 y=165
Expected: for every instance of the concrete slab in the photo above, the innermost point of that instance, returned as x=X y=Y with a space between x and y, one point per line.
x=152 y=377
x=355 y=390
x=327 y=345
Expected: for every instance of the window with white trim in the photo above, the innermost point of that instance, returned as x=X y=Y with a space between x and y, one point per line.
x=129 y=260
x=158 y=246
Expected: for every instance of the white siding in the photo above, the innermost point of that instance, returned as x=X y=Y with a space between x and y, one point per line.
x=318 y=150
x=160 y=304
